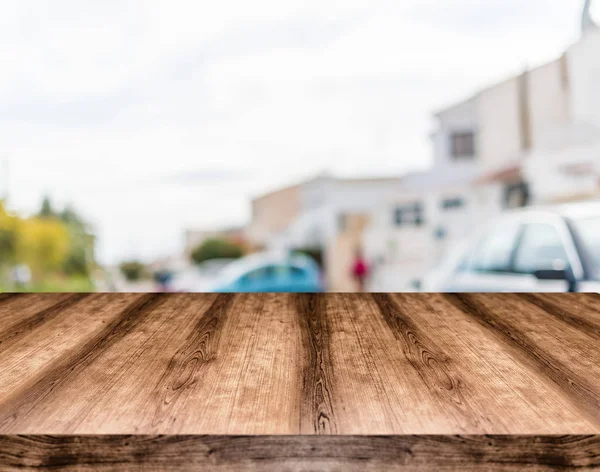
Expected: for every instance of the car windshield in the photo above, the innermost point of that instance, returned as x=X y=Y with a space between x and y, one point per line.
x=588 y=230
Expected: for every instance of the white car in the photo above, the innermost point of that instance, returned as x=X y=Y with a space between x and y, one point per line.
x=195 y=278
x=544 y=249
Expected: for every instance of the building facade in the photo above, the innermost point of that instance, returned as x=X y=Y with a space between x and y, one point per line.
x=533 y=138
x=565 y=163
x=325 y=214
x=272 y=215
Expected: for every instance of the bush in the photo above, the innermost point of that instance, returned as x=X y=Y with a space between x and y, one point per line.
x=133 y=271
x=76 y=263
x=42 y=244
x=216 y=249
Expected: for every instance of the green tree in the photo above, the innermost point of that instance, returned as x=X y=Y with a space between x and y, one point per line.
x=76 y=262
x=8 y=237
x=46 y=210
x=42 y=244
x=133 y=271
x=51 y=244
x=216 y=249
x=80 y=259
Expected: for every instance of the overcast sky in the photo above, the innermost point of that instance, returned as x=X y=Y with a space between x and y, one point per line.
x=151 y=116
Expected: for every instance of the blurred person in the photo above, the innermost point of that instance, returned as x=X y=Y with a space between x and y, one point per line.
x=162 y=278
x=360 y=270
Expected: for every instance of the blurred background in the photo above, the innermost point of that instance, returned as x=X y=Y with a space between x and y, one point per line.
x=357 y=145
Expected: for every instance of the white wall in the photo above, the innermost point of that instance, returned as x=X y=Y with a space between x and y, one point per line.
x=460 y=118
x=405 y=254
x=568 y=125
x=548 y=98
x=549 y=179
x=499 y=125
x=584 y=66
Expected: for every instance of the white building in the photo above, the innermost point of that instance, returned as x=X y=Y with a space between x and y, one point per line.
x=531 y=138
x=565 y=163
x=330 y=216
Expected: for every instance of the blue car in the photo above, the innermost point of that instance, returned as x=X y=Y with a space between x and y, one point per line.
x=270 y=273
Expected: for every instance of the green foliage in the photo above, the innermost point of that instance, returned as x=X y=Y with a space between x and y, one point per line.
x=8 y=237
x=216 y=249
x=52 y=245
x=133 y=271
x=79 y=260
x=46 y=210
x=54 y=284
x=76 y=262
x=42 y=244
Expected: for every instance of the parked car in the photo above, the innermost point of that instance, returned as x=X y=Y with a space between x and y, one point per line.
x=545 y=249
x=196 y=277
x=269 y=272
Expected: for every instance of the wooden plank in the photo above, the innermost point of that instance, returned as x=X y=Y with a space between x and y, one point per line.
x=251 y=383
x=79 y=355
x=300 y=453
x=317 y=411
x=480 y=375
x=20 y=314
x=300 y=381
x=582 y=311
x=566 y=354
x=119 y=381
x=301 y=364
x=29 y=354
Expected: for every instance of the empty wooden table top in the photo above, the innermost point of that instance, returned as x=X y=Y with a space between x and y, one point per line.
x=298 y=364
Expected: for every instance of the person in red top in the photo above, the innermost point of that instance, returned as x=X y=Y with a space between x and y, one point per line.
x=360 y=270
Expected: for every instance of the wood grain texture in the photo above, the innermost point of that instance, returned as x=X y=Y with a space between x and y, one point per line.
x=317 y=413
x=561 y=351
x=300 y=453
x=310 y=374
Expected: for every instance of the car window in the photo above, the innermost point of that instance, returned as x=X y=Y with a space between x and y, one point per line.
x=495 y=249
x=279 y=271
x=541 y=247
x=588 y=230
x=269 y=272
x=256 y=275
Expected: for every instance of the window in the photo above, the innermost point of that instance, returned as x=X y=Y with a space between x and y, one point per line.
x=296 y=272
x=419 y=219
x=257 y=275
x=495 y=250
x=273 y=272
x=398 y=216
x=541 y=247
x=516 y=195
x=463 y=145
x=453 y=203
x=409 y=215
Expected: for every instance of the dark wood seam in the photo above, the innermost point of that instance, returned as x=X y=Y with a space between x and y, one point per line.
x=316 y=410
x=24 y=327
x=576 y=388
x=184 y=369
x=431 y=363
x=563 y=314
x=67 y=367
